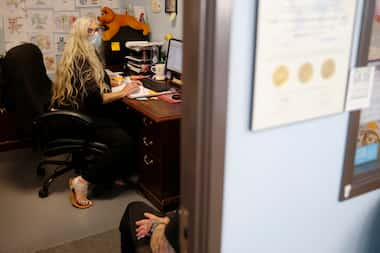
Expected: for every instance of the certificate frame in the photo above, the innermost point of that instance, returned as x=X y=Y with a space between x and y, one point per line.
x=360 y=178
x=171 y=6
x=295 y=85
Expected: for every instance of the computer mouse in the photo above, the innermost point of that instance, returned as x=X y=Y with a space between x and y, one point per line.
x=176 y=96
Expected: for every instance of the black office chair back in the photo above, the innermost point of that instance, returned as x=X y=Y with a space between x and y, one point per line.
x=62 y=127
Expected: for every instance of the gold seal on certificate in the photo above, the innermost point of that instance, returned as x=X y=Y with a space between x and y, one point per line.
x=280 y=75
x=305 y=72
x=328 y=69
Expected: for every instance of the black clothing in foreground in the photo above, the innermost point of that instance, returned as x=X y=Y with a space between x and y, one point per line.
x=134 y=212
x=26 y=89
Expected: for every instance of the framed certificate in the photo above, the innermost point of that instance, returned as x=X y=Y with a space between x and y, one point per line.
x=302 y=60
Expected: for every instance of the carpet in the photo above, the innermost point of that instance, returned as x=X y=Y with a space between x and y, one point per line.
x=106 y=242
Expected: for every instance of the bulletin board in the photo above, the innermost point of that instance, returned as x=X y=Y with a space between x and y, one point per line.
x=361 y=172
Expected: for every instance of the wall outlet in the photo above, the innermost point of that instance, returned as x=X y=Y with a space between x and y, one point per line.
x=156 y=6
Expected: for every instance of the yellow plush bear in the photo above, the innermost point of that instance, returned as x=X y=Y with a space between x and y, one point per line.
x=114 y=21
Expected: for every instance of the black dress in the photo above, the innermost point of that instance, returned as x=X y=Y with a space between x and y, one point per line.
x=109 y=121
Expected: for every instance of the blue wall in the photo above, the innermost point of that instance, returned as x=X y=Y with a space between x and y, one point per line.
x=282 y=185
x=159 y=22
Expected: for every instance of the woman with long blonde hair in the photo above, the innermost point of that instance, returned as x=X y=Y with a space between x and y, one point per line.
x=81 y=84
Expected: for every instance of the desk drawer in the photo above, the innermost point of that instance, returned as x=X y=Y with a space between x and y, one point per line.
x=149 y=143
x=151 y=174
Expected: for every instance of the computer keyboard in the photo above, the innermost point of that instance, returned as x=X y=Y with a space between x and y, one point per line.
x=155 y=85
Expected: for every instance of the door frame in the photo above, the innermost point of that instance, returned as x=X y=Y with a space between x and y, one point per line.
x=203 y=127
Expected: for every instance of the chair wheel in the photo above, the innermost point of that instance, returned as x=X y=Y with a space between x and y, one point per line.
x=41 y=172
x=43 y=193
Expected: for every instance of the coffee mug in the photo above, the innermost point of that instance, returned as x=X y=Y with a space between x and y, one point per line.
x=159 y=71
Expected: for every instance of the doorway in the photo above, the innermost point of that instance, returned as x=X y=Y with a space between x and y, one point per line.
x=203 y=128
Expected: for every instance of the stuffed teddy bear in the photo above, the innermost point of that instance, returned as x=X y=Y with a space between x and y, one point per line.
x=114 y=21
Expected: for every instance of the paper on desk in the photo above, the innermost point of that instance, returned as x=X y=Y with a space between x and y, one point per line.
x=112 y=74
x=142 y=92
x=360 y=88
x=119 y=87
x=145 y=92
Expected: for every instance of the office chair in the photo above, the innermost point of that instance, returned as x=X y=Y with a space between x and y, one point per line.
x=60 y=133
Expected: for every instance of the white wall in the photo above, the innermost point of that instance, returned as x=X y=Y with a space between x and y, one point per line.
x=282 y=185
x=159 y=22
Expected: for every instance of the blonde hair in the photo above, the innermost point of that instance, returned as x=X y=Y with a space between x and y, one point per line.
x=78 y=53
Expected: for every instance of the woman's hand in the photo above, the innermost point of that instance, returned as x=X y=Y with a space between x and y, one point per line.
x=144 y=226
x=131 y=88
x=116 y=81
x=128 y=89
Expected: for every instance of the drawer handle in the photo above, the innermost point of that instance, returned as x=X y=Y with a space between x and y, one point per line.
x=147 y=122
x=2 y=110
x=146 y=142
x=146 y=161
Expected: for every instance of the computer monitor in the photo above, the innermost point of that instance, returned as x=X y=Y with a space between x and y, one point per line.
x=174 y=57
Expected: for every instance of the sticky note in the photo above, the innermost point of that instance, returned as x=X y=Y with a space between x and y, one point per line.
x=115 y=46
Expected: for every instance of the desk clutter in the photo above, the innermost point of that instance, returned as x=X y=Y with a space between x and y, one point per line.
x=170 y=94
x=142 y=55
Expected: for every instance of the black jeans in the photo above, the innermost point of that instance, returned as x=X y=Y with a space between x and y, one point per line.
x=129 y=243
x=118 y=163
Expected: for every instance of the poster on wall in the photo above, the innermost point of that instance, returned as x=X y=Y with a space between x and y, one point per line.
x=14 y=28
x=114 y=4
x=14 y=7
x=50 y=62
x=90 y=12
x=139 y=13
x=374 y=47
x=64 y=5
x=60 y=42
x=9 y=45
x=63 y=21
x=39 y=4
x=40 y=20
x=303 y=50
x=58 y=59
x=43 y=40
x=88 y=3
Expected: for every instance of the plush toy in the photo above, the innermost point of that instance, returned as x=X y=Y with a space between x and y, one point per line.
x=114 y=21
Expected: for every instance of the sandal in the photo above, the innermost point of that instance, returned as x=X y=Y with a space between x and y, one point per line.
x=77 y=191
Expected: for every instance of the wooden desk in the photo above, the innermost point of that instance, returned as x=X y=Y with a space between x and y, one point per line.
x=158 y=134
